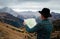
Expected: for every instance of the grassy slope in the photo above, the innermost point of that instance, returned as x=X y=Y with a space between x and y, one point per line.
x=10 y=32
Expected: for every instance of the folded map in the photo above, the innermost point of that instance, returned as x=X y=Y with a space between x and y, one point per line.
x=31 y=22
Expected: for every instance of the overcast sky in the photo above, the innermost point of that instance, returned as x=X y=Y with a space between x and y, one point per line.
x=34 y=5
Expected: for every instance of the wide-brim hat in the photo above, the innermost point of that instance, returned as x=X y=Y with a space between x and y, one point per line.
x=45 y=12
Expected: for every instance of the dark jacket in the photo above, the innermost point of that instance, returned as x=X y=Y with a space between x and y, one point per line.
x=43 y=29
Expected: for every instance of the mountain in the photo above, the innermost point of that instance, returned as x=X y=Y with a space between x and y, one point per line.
x=9 y=10
x=36 y=15
x=55 y=16
x=28 y=14
x=10 y=19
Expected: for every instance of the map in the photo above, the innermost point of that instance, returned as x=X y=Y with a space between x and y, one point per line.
x=31 y=22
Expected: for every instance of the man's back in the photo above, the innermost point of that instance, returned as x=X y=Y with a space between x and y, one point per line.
x=45 y=31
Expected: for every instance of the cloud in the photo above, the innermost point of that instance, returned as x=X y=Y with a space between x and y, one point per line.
x=14 y=2
x=31 y=4
x=7 y=2
x=33 y=0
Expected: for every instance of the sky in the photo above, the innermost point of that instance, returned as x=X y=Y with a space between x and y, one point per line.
x=31 y=5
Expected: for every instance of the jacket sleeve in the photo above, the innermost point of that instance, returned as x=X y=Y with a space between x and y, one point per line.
x=34 y=29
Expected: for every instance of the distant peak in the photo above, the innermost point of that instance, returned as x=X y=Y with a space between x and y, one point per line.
x=6 y=8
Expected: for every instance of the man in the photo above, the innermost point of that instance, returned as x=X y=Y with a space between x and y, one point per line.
x=44 y=27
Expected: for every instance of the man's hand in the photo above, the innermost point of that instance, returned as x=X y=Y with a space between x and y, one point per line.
x=24 y=23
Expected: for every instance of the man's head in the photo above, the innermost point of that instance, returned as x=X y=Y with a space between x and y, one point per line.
x=45 y=12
